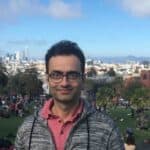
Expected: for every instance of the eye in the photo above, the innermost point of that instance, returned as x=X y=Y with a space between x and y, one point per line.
x=73 y=75
x=55 y=75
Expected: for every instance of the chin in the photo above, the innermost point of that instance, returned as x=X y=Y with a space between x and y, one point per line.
x=65 y=99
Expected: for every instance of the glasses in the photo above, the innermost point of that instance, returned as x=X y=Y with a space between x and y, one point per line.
x=72 y=76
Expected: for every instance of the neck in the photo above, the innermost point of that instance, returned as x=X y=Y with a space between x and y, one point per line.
x=63 y=110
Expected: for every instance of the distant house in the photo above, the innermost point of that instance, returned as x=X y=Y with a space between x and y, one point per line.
x=145 y=78
x=128 y=80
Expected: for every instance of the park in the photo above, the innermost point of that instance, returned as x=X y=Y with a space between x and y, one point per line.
x=129 y=106
x=121 y=115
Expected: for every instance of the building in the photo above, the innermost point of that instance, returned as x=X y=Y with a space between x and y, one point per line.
x=145 y=78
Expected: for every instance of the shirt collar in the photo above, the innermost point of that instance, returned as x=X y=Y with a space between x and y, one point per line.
x=46 y=111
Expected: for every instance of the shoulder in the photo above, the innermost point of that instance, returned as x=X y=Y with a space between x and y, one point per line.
x=28 y=120
x=101 y=122
x=33 y=120
x=26 y=125
x=102 y=119
x=97 y=118
x=23 y=132
x=105 y=129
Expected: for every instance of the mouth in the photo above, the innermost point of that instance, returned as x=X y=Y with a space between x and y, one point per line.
x=65 y=91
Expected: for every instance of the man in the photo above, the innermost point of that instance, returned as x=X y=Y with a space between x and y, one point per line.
x=67 y=122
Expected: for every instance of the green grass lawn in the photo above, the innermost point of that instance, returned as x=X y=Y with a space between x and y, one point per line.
x=9 y=126
x=128 y=121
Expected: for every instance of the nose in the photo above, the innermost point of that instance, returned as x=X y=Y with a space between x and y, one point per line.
x=64 y=81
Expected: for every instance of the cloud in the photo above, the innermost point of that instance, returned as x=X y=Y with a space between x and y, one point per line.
x=59 y=9
x=13 y=9
x=136 y=7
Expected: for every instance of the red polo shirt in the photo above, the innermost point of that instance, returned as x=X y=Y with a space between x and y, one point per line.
x=60 y=129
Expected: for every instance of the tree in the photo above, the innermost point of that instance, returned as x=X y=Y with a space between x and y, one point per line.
x=32 y=82
x=137 y=94
x=104 y=96
x=3 y=78
x=139 y=97
x=16 y=84
x=90 y=88
x=92 y=72
x=111 y=72
x=26 y=83
x=90 y=85
x=117 y=85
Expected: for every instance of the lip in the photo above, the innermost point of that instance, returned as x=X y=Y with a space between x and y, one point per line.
x=67 y=91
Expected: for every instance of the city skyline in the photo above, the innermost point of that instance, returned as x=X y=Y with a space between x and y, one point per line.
x=101 y=28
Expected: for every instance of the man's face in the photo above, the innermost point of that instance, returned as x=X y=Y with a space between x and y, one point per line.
x=68 y=88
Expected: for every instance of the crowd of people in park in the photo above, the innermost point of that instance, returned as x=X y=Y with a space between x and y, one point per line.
x=17 y=105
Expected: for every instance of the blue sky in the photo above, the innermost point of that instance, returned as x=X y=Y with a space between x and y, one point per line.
x=100 y=27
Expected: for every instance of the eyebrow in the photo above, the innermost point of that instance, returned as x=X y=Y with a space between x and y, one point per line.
x=71 y=71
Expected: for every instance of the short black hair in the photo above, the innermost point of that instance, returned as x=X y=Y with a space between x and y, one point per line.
x=130 y=140
x=65 y=47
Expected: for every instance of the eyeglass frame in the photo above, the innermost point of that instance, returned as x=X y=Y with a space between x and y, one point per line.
x=62 y=75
